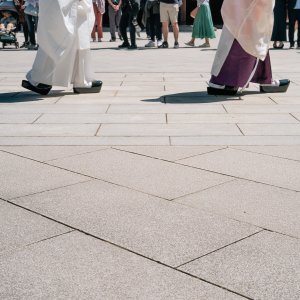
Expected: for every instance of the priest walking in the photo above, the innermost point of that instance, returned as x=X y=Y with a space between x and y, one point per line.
x=63 y=57
x=243 y=51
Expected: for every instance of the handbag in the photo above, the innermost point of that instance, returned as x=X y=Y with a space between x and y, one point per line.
x=31 y=10
x=194 y=12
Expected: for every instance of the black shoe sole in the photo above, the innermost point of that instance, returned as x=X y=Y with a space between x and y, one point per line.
x=41 y=89
x=215 y=91
x=95 y=88
x=282 y=88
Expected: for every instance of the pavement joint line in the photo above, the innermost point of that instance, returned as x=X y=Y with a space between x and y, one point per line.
x=265 y=154
x=167 y=121
x=211 y=151
x=98 y=129
x=59 y=98
x=221 y=248
x=200 y=191
x=129 y=250
x=292 y=114
x=108 y=107
x=177 y=162
x=237 y=177
x=49 y=238
x=48 y=190
x=224 y=108
x=37 y=118
x=271 y=98
x=239 y=128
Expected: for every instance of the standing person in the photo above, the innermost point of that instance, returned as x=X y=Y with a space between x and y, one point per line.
x=114 y=14
x=153 y=17
x=99 y=10
x=31 y=10
x=294 y=16
x=243 y=51
x=279 y=28
x=203 y=27
x=20 y=8
x=169 y=10
x=130 y=10
x=64 y=55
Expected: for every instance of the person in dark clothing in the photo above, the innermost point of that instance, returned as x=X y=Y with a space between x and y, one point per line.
x=19 y=6
x=294 y=16
x=279 y=28
x=130 y=10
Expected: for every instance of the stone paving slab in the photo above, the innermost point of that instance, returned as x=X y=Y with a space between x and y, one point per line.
x=290 y=152
x=80 y=267
x=235 y=140
x=58 y=109
x=253 y=119
x=161 y=230
x=48 y=129
x=169 y=153
x=263 y=109
x=264 y=266
x=180 y=108
x=18 y=118
x=270 y=129
x=261 y=168
x=261 y=205
x=20 y=177
x=103 y=119
x=167 y=130
x=47 y=153
x=142 y=173
x=19 y=227
x=84 y=141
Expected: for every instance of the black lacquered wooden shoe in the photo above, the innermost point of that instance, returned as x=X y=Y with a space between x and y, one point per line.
x=228 y=91
x=95 y=88
x=42 y=89
x=273 y=88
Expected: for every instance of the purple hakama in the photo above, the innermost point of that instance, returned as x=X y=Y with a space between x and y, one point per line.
x=239 y=66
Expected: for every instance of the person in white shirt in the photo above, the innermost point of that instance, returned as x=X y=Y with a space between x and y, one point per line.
x=63 y=57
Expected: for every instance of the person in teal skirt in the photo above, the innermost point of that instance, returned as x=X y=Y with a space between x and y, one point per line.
x=203 y=27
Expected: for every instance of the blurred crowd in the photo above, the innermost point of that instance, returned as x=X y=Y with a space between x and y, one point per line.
x=152 y=16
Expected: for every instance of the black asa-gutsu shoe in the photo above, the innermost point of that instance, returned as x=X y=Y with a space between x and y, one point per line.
x=95 y=88
x=228 y=91
x=42 y=89
x=272 y=88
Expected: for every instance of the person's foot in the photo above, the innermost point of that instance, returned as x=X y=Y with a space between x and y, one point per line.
x=42 y=89
x=25 y=45
x=292 y=46
x=112 y=40
x=99 y=40
x=32 y=47
x=150 y=44
x=124 y=45
x=120 y=36
x=95 y=88
x=94 y=40
x=190 y=43
x=205 y=45
x=159 y=43
x=216 y=89
x=277 y=86
x=164 y=45
x=132 y=47
x=176 y=45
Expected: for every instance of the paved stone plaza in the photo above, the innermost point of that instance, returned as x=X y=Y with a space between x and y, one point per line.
x=151 y=189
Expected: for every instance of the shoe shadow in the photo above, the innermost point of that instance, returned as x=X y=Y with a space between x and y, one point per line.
x=18 y=97
x=197 y=97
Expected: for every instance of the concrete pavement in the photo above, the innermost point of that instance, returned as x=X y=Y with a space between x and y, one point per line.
x=152 y=189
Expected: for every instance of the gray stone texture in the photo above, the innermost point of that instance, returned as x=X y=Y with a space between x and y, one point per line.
x=265 y=266
x=75 y=266
x=19 y=227
x=145 y=174
x=20 y=176
x=161 y=230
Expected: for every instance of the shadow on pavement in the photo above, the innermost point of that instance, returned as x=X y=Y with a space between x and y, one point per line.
x=197 y=97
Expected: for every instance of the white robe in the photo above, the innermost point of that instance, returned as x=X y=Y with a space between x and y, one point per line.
x=250 y=22
x=63 y=35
